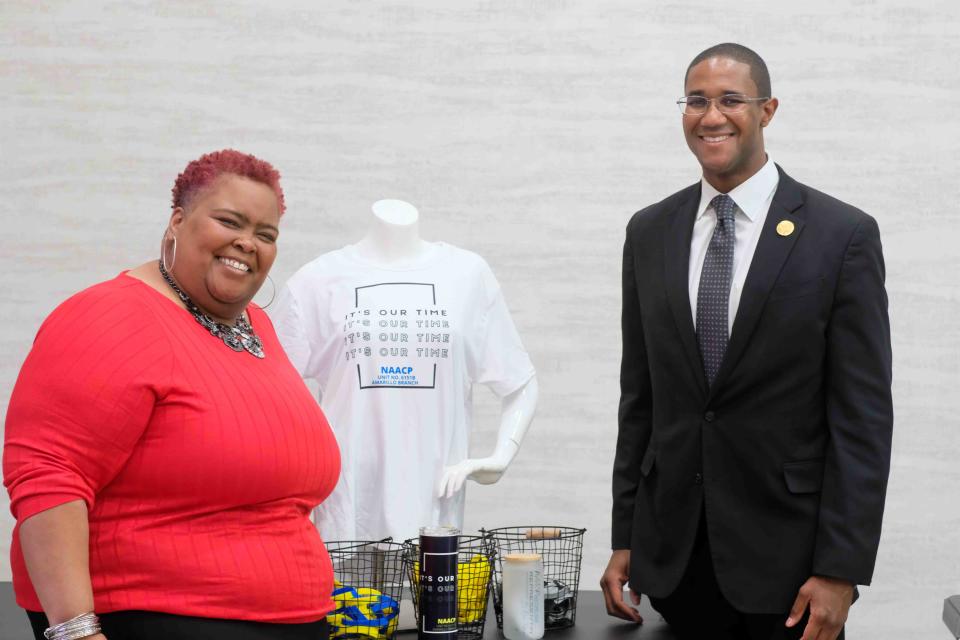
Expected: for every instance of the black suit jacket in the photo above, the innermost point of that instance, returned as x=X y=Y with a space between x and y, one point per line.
x=788 y=453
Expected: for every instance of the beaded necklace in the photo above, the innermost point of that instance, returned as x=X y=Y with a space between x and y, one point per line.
x=239 y=337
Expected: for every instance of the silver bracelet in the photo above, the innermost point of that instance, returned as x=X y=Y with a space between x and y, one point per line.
x=82 y=626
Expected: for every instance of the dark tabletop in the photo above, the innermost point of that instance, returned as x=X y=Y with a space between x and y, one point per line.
x=592 y=622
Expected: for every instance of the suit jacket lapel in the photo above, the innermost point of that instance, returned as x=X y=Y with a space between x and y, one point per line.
x=768 y=259
x=676 y=268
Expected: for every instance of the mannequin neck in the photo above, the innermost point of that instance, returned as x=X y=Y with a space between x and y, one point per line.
x=394 y=234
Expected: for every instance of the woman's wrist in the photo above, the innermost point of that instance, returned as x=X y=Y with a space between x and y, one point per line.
x=85 y=625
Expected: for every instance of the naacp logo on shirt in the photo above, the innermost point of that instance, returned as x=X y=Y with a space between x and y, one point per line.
x=397 y=333
x=396 y=377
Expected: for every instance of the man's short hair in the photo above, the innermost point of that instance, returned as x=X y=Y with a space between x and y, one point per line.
x=740 y=53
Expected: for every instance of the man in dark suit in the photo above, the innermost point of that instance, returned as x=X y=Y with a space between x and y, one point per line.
x=755 y=412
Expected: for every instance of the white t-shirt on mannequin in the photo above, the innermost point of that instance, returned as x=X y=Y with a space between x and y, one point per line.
x=395 y=349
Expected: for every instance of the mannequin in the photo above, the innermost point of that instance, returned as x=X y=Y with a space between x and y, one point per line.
x=394 y=240
x=394 y=235
x=396 y=332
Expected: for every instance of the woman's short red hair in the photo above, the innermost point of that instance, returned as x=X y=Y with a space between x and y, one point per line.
x=204 y=170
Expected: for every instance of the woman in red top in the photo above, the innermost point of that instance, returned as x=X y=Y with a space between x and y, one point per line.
x=162 y=454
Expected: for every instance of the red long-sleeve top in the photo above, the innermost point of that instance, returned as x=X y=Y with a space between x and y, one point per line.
x=199 y=465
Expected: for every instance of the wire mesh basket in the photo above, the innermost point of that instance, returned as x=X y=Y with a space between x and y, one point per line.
x=561 y=549
x=475 y=561
x=367 y=589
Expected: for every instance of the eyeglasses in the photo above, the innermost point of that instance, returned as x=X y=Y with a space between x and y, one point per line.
x=729 y=103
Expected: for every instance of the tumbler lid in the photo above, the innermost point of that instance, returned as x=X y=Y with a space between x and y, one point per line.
x=521 y=557
x=439 y=532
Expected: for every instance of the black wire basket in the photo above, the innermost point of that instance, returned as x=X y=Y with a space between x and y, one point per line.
x=561 y=549
x=475 y=565
x=367 y=590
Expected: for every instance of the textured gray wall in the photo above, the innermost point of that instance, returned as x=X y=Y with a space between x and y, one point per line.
x=527 y=131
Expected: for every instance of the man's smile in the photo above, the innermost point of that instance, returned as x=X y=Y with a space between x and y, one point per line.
x=717 y=138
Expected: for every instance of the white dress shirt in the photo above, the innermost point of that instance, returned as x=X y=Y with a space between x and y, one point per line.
x=753 y=199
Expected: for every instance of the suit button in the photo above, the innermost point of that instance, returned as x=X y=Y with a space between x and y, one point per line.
x=698 y=478
x=708 y=416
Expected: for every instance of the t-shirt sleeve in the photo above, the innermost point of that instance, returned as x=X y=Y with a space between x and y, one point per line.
x=82 y=400
x=497 y=357
x=288 y=322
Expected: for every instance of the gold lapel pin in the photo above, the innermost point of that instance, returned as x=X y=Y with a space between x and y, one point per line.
x=785 y=228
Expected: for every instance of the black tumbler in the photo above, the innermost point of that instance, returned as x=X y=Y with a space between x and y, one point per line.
x=438 y=583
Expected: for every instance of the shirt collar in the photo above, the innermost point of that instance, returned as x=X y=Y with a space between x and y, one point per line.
x=750 y=195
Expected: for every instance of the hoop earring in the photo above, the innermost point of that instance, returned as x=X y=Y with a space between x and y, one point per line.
x=274 y=295
x=163 y=253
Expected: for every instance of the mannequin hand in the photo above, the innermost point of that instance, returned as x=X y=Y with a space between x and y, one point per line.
x=829 y=600
x=482 y=470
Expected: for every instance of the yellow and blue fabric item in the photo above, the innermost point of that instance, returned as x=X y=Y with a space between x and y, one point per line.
x=362 y=613
x=473 y=576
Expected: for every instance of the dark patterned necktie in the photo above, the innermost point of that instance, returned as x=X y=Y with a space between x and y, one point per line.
x=713 y=297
